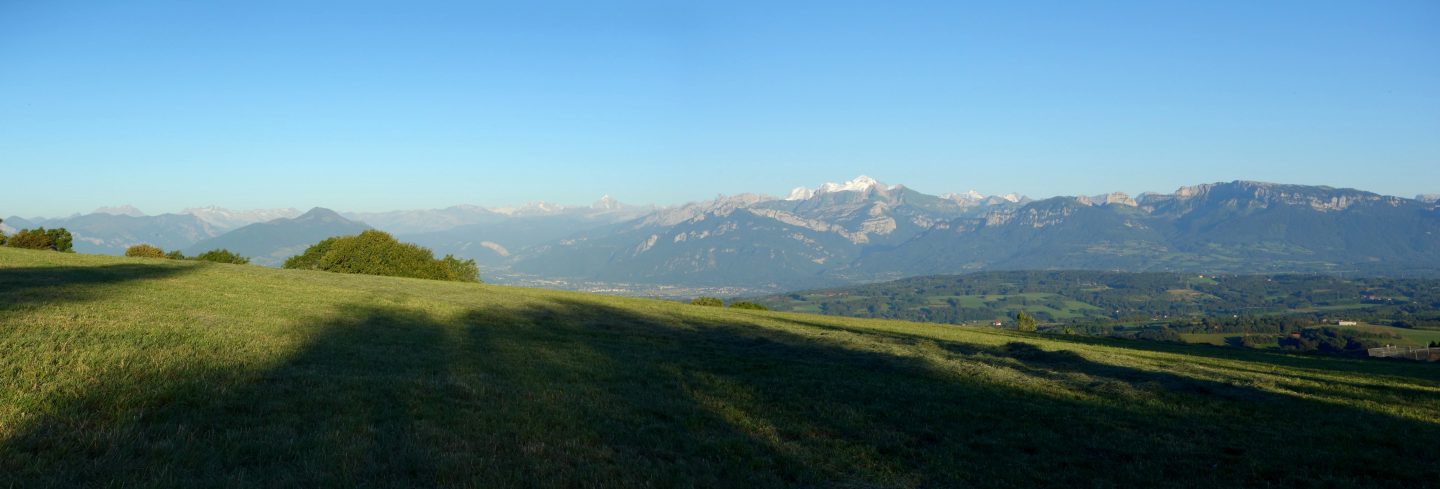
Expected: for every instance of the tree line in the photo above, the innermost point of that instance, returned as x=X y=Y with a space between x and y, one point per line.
x=57 y=239
x=220 y=255
x=371 y=252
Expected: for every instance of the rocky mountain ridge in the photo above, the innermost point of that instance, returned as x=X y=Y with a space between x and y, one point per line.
x=857 y=230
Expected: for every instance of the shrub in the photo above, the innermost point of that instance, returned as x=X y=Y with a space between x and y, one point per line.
x=175 y=255
x=144 y=251
x=707 y=301
x=462 y=270
x=310 y=259
x=378 y=253
x=30 y=239
x=42 y=239
x=222 y=256
x=2 y=234
x=748 y=305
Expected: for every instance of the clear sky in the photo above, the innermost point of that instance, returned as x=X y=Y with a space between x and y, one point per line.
x=392 y=105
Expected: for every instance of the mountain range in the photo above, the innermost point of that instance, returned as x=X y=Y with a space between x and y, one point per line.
x=863 y=230
x=270 y=243
x=856 y=231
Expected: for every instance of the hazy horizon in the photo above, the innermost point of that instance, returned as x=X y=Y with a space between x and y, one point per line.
x=372 y=107
x=581 y=203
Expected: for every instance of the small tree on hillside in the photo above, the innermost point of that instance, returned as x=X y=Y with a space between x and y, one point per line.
x=707 y=301
x=222 y=256
x=748 y=305
x=144 y=251
x=62 y=240
x=1024 y=322
x=175 y=255
x=2 y=233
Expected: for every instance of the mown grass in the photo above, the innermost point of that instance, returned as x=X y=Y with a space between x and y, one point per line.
x=125 y=372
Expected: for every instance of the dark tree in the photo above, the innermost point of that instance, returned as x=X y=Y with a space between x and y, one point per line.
x=1024 y=322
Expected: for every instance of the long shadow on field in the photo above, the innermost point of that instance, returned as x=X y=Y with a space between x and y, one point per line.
x=20 y=287
x=571 y=393
x=341 y=410
x=740 y=404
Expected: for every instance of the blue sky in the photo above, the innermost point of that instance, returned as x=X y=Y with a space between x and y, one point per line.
x=376 y=106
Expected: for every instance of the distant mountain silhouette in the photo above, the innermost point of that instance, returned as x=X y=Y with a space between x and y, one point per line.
x=107 y=233
x=270 y=243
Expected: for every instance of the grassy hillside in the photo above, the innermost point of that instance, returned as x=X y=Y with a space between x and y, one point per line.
x=123 y=372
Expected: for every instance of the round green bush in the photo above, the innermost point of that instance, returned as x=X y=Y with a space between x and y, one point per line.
x=378 y=253
x=707 y=301
x=222 y=256
x=144 y=251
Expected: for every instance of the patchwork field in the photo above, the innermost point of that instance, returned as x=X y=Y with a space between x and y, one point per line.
x=126 y=372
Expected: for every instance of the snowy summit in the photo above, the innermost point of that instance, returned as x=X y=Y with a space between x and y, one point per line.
x=859 y=184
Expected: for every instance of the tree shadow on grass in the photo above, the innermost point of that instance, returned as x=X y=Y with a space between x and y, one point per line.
x=576 y=393
x=833 y=414
x=24 y=287
x=341 y=410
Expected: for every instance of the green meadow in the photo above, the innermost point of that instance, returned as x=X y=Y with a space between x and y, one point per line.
x=120 y=372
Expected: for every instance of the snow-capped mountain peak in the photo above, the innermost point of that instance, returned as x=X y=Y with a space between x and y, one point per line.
x=606 y=202
x=968 y=196
x=536 y=208
x=800 y=193
x=859 y=184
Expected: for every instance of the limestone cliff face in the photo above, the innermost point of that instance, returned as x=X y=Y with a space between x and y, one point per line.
x=1113 y=198
x=874 y=230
